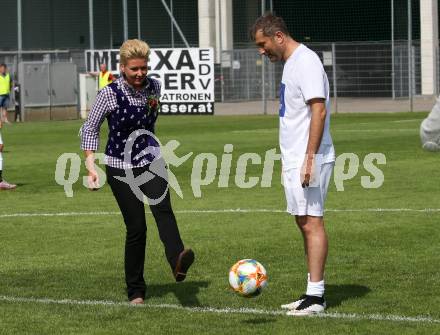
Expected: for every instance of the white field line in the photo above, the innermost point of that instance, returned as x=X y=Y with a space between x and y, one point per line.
x=230 y=210
x=391 y=121
x=380 y=130
x=374 y=130
x=216 y=310
x=261 y=130
x=408 y=120
x=270 y=130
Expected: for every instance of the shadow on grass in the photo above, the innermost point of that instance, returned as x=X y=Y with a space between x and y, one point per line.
x=186 y=292
x=90 y=285
x=336 y=294
x=259 y=321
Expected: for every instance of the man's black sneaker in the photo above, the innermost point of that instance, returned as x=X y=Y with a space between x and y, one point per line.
x=309 y=306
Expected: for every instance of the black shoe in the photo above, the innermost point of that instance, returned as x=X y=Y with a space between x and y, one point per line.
x=309 y=306
x=184 y=261
x=294 y=305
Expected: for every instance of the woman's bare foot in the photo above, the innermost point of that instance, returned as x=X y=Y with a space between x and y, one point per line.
x=137 y=301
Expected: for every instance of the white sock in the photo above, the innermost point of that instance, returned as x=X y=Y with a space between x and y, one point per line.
x=315 y=288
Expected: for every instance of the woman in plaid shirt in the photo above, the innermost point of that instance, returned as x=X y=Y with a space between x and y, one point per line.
x=130 y=104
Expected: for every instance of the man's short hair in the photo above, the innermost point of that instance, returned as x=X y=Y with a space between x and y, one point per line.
x=270 y=24
x=3 y=65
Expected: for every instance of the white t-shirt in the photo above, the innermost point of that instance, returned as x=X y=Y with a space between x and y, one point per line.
x=303 y=79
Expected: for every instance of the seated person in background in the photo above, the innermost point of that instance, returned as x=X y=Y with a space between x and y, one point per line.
x=430 y=129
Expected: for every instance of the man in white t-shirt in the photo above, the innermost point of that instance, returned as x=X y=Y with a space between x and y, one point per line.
x=307 y=152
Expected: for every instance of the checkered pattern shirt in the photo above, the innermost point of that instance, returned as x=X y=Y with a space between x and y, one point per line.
x=106 y=102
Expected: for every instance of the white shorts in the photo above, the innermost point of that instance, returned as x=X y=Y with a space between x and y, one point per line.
x=1 y=141
x=309 y=200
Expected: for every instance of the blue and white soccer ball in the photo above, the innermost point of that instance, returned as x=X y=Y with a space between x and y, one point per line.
x=248 y=277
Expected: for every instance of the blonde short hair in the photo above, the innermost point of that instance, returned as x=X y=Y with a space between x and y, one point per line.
x=131 y=49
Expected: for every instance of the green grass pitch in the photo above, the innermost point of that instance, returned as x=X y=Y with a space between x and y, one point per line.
x=63 y=273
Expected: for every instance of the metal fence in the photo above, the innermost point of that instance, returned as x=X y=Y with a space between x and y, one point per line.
x=355 y=70
x=48 y=83
x=366 y=69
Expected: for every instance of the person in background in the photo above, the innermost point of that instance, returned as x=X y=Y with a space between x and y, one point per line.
x=4 y=185
x=5 y=89
x=104 y=77
x=430 y=129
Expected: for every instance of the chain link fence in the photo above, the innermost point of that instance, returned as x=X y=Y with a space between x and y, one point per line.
x=362 y=69
x=47 y=81
x=355 y=70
